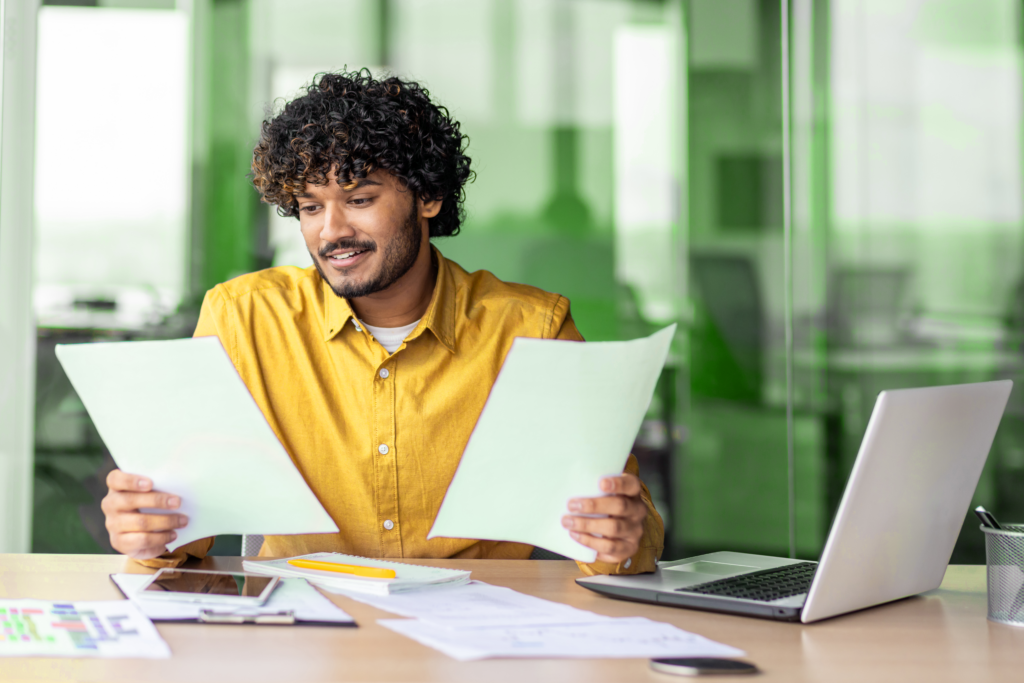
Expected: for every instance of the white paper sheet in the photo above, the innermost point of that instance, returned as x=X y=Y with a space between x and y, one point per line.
x=177 y=412
x=477 y=605
x=107 y=629
x=305 y=602
x=560 y=416
x=613 y=638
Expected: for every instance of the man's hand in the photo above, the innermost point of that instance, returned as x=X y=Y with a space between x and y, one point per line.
x=616 y=536
x=139 y=535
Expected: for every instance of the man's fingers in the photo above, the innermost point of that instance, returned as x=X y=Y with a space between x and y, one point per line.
x=139 y=535
x=609 y=527
x=608 y=549
x=615 y=506
x=622 y=484
x=123 y=481
x=606 y=505
x=136 y=521
x=144 y=546
x=119 y=501
x=161 y=501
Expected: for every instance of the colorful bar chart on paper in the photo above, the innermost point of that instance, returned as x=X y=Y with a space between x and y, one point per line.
x=37 y=628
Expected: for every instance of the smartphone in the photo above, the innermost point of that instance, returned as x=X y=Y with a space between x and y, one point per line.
x=209 y=587
x=701 y=666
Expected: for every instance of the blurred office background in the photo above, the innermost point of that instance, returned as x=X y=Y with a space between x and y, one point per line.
x=825 y=195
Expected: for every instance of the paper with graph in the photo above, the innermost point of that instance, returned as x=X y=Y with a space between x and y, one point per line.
x=107 y=629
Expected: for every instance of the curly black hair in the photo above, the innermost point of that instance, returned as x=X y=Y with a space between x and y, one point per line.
x=355 y=124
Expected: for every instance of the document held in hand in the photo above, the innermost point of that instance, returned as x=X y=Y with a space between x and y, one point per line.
x=560 y=416
x=177 y=412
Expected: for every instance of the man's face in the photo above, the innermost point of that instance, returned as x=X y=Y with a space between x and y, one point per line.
x=362 y=237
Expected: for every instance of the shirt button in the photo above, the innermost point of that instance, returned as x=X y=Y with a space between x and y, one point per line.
x=629 y=561
x=388 y=524
x=384 y=373
x=358 y=329
x=382 y=449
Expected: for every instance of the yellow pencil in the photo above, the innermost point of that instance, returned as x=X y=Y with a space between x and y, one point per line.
x=372 y=572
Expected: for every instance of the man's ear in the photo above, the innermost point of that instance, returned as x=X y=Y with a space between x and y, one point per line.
x=430 y=208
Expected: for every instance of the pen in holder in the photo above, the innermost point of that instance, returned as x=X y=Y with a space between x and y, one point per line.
x=1004 y=558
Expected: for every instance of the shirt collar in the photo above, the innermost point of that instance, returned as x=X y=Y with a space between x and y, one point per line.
x=440 y=315
x=337 y=311
x=439 y=318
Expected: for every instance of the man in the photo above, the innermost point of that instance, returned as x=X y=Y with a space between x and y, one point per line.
x=373 y=366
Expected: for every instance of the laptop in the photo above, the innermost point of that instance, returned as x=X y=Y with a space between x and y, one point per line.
x=893 y=534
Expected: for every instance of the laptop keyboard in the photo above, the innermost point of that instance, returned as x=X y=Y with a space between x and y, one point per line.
x=764 y=586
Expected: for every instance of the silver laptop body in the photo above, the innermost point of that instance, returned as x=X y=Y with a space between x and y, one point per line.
x=894 y=532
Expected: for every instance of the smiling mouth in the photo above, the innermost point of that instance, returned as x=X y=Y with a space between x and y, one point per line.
x=345 y=256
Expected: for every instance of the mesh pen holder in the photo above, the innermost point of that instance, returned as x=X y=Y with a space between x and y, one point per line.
x=1004 y=557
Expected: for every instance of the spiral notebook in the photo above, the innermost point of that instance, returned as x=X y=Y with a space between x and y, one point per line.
x=408 y=577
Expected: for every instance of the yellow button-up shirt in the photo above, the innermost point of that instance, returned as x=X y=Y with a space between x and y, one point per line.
x=378 y=436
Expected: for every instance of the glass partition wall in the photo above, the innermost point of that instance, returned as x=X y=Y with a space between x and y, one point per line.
x=825 y=196
x=110 y=200
x=916 y=278
x=734 y=476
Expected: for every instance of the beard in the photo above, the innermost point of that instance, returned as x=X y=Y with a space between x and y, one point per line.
x=398 y=257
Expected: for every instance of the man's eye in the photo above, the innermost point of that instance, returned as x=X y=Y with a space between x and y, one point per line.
x=309 y=208
x=359 y=201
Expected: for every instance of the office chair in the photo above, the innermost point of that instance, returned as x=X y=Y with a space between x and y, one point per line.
x=728 y=339
x=866 y=304
x=541 y=554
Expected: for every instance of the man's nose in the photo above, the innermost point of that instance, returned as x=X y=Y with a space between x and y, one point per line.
x=336 y=225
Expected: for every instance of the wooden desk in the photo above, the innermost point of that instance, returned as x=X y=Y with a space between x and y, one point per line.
x=941 y=636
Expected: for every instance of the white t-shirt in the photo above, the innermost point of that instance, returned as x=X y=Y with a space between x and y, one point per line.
x=391 y=337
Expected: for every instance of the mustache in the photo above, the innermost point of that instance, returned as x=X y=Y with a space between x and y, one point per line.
x=347 y=245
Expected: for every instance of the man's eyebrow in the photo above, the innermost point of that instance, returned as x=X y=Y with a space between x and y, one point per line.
x=359 y=182
x=354 y=185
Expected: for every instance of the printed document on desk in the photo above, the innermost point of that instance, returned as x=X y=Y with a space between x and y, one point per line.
x=478 y=605
x=560 y=416
x=612 y=638
x=177 y=412
x=107 y=629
